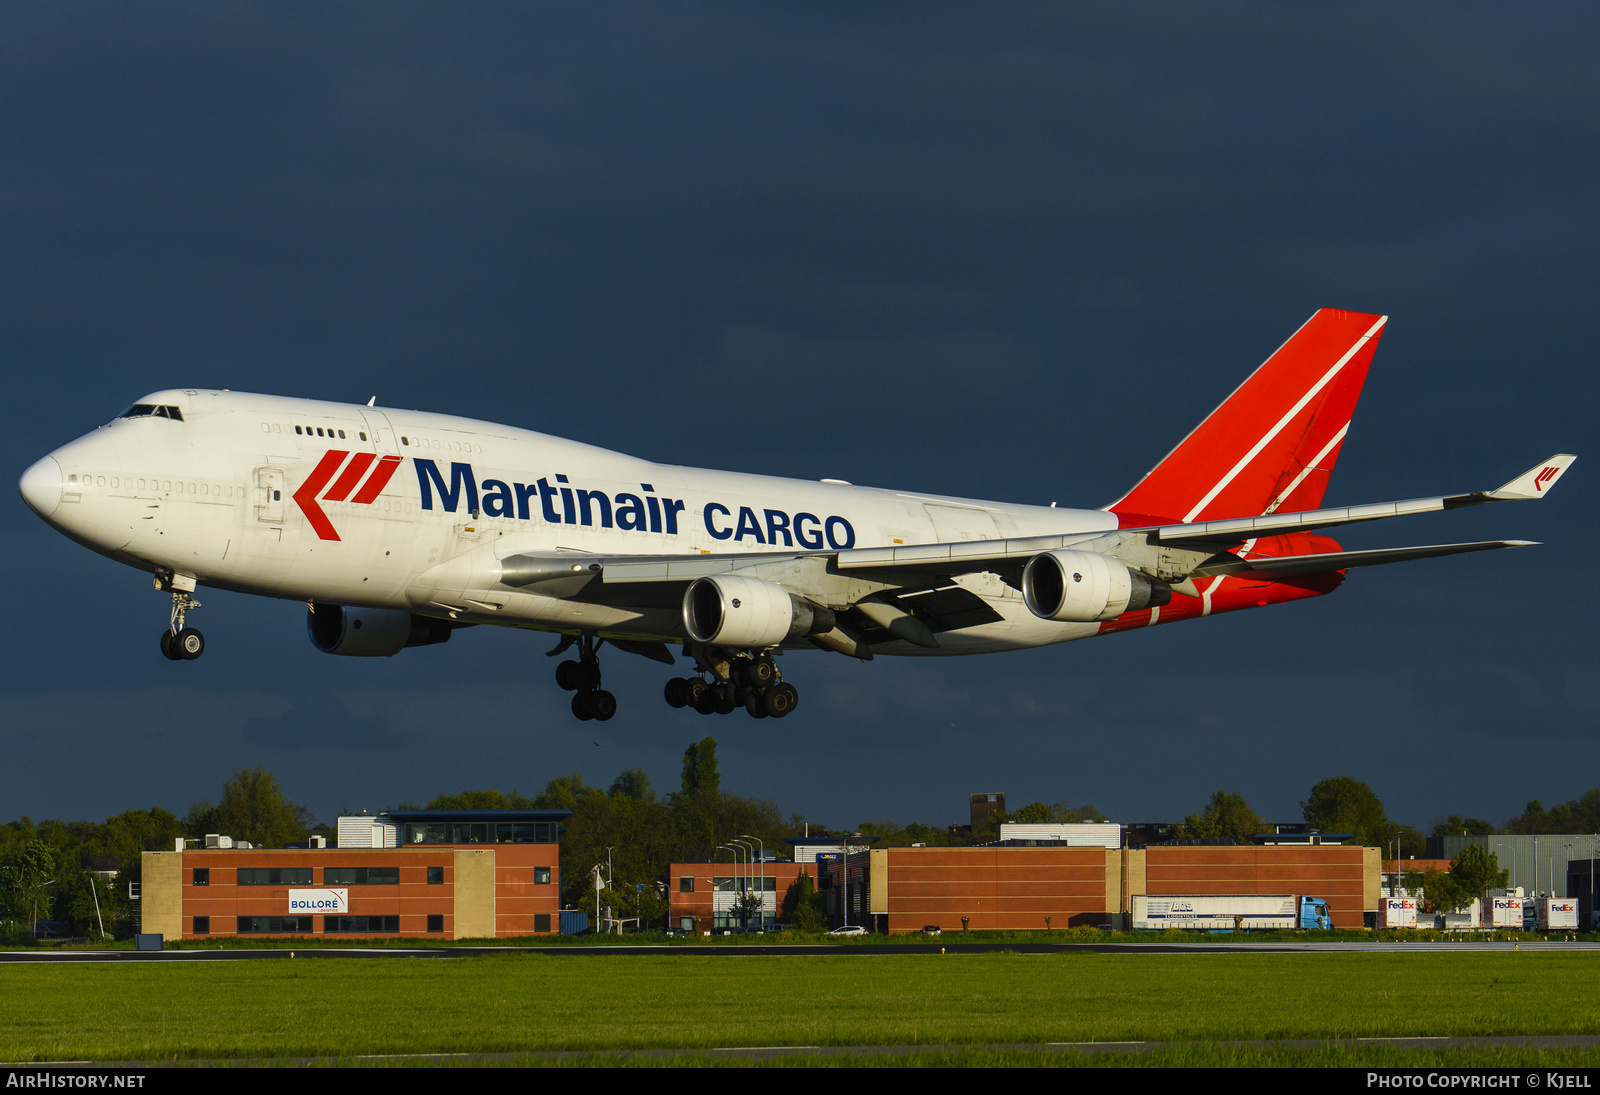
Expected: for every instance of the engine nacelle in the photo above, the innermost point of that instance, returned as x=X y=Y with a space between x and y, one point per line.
x=1085 y=586
x=731 y=610
x=371 y=632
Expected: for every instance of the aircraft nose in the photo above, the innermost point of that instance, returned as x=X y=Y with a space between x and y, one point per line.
x=41 y=486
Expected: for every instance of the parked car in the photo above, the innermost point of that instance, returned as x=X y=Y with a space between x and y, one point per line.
x=849 y=929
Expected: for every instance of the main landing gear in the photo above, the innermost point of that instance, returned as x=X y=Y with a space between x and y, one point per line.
x=583 y=677
x=180 y=642
x=753 y=682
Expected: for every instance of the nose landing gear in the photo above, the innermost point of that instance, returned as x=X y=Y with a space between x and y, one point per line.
x=583 y=677
x=180 y=642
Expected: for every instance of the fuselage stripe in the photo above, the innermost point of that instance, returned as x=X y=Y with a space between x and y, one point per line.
x=377 y=480
x=352 y=475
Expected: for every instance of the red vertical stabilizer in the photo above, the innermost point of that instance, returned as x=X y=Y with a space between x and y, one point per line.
x=1272 y=444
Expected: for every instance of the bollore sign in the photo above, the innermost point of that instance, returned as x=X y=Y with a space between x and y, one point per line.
x=315 y=901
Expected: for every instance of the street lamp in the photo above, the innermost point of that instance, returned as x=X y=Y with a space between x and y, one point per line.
x=763 y=845
x=733 y=854
x=749 y=877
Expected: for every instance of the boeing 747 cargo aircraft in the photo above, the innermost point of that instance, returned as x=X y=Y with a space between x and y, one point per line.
x=399 y=527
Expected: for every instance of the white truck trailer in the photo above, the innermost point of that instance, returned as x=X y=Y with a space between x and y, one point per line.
x=1505 y=912
x=1397 y=912
x=1558 y=914
x=1229 y=912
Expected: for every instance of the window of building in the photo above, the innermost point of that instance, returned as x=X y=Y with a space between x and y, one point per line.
x=338 y=925
x=541 y=922
x=436 y=878
x=275 y=876
x=436 y=922
x=202 y=925
x=686 y=884
x=360 y=876
x=274 y=925
x=686 y=923
x=541 y=876
x=202 y=876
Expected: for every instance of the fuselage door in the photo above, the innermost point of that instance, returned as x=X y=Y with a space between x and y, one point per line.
x=269 y=495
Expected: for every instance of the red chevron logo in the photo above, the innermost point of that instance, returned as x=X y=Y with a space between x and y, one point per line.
x=332 y=460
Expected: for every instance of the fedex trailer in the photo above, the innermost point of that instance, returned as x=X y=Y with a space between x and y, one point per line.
x=1229 y=912
x=1506 y=912
x=1558 y=914
x=1397 y=912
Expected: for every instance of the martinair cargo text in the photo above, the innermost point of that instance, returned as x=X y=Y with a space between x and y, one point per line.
x=398 y=527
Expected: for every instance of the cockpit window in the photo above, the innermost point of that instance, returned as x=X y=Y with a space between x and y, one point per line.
x=146 y=410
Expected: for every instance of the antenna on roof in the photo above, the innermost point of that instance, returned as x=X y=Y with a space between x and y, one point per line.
x=373 y=401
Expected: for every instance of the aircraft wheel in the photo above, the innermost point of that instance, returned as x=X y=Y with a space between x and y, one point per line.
x=761 y=671
x=705 y=700
x=167 y=649
x=581 y=708
x=781 y=700
x=725 y=700
x=589 y=674
x=602 y=705
x=568 y=676
x=756 y=705
x=677 y=692
x=189 y=644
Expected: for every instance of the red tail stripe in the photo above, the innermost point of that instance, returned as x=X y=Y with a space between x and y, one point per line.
x=352 y=475
x=377 y=480
x=306 y=496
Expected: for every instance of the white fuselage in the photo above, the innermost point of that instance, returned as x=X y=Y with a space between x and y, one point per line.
x=244 y=493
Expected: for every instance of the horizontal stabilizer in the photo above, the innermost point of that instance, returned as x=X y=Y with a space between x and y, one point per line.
x=1346 y=560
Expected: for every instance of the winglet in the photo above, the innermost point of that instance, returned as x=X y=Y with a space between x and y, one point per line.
x=1536 y=481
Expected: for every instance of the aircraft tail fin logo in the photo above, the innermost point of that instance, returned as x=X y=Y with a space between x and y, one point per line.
x=310 y=494
x=1273 y=443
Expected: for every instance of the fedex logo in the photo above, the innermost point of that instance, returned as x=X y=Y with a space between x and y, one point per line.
x=359 y=472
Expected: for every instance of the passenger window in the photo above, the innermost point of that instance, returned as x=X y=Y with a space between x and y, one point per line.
x=297 y=429
x=265 y=428
x=100 y=481
x=363 y=435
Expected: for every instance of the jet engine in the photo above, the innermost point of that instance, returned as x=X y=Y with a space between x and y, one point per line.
x=1084 y=586
x=371 y=632
x=730 y=610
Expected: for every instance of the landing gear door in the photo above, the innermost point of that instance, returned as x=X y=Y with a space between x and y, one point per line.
x=269 y=495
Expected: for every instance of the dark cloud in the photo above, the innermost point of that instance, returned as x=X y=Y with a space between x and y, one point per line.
x=1010 y=253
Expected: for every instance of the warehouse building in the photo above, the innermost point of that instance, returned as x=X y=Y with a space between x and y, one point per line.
x=1045 y=884
x=442 y=874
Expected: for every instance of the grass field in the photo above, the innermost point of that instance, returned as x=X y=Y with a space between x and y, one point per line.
x=318 y=1007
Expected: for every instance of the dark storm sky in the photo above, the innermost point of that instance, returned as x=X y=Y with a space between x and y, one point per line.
x=1009 y=252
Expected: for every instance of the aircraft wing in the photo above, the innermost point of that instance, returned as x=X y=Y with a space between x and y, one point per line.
x=918 y=580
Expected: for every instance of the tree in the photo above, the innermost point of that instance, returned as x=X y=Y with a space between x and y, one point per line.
x=1443 y=893
x=1343 y=804
x=254 y=809
x=480 y=800
x=27 y=870
x=804 y=907
x=1227 y=816
x=700 y=777
x=633 y=783
x=1465 y=826
x=1034 y=813
x=1477 y=871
